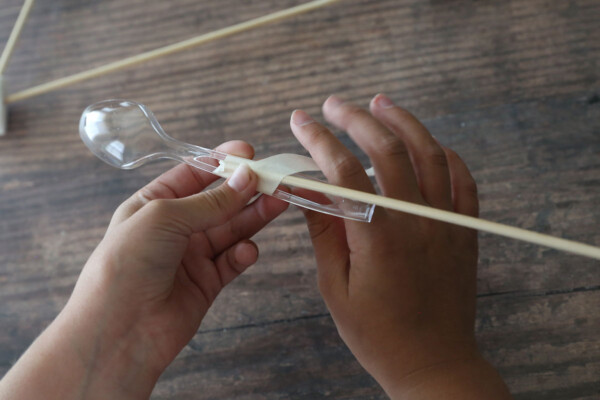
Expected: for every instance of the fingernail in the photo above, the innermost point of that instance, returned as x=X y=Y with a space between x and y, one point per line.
x=383 y=101
x=301 y=118
x=240 y=178
x=335 y=101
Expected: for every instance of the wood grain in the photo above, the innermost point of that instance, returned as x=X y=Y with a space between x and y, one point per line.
x=513 y=86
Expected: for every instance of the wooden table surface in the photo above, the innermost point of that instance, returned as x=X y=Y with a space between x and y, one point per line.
x=513 y=86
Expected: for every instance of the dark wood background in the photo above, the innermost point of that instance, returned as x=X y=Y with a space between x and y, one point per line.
x=513 y=86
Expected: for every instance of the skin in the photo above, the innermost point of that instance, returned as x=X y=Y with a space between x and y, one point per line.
x=401 y=289
x=167 y=253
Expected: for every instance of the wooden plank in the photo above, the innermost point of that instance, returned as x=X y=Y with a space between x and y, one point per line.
x=541 y=344
x=512 y=86
x=301 y=358
x=545 y=344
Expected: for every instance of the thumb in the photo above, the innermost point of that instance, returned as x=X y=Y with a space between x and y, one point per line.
x=214 y=207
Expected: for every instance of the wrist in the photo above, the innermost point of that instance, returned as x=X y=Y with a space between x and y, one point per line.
x=112 y=361
x=464 y=379
x=77 y=357
x=428 y=367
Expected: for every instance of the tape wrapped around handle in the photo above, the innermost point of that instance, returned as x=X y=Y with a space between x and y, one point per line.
x=270 y=170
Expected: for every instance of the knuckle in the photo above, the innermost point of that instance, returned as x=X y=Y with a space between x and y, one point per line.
x=317 y=228
x=235 y=230
x=353 y=114
x=162 y=213
x=392 y=146
x=403 y=123
x=156 y=190
x=126 y=208
x=469 y=190
x=406 y=116
x=261 y=211
x=215 y=201
x=400 y=117
x=467 y=182
x=437 y=156
x=158 y=207
x=317 y=133
x=347 y=167
x=146 y=195
x=166 y=215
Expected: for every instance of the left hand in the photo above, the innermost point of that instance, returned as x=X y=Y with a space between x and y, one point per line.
x=141 y=296
x=169 y=250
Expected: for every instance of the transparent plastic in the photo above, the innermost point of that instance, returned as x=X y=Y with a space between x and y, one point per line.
x=126 y=135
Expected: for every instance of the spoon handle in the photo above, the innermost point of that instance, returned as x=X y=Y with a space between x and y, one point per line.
x=207 y=160
x=195 y=156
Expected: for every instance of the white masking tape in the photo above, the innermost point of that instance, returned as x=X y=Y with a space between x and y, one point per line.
x=270 y=170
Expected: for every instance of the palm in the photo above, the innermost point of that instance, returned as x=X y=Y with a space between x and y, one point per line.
x=193 y=289
x=174 y=300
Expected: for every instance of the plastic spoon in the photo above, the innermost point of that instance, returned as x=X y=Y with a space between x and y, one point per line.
x=126 y=135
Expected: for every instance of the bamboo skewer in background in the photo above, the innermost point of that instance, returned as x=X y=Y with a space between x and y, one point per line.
x=14 y=34
x=6 y=53
x=167 y=50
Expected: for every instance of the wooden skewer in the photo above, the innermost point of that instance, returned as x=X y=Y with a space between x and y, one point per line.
x=14 y=34
x=447 y=216
x=163 y=51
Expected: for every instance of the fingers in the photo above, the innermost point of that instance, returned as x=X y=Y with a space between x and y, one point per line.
x=211 y=278
x=201 y=211
x=180 y=181
x=464 y=189
x=331 y=237
x=387 y=152
x=338 y=164
x=244 y=225
x=428 y=157
x=233 y=261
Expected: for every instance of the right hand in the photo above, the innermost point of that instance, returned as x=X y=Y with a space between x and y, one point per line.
x=400 y=289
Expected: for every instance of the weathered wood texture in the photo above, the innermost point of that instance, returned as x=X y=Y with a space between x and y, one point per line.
x=513 y=86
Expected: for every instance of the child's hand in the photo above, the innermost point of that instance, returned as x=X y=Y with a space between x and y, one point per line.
x=141 y=296
x=171 y=248
x=401 y=289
